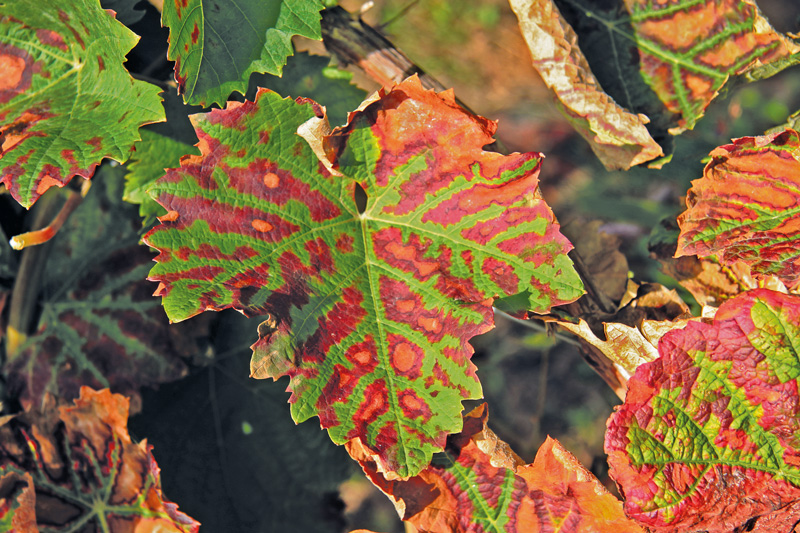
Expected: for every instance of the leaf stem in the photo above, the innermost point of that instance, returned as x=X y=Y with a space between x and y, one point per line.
x=41 y=236
x=24 y=295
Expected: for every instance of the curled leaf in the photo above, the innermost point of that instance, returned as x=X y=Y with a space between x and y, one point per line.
x=746 y=205
x=618 y=137
x=480 y=485
x=83 y=471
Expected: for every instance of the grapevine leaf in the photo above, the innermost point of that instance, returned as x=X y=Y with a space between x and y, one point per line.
x=99 y=324
x=66 y=101
x=689 y=49
x=626 y=346
x=371 y=312
x=125 y=10
x=312 y=77
x=85 y=470
x=706 y=439
x=217 y=46
x=154 y=153
x=745 y=207
x=662 y=62
x=17 y=503
x=629 y=335
x=618 y=137
x=480 y=484
x=229 y=434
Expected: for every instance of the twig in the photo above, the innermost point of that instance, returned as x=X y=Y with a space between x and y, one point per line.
x=536 y=326
x=398 y=15
x=354 y=42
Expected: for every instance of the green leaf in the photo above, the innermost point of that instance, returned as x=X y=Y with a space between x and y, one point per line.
x=371 y=312
x=66 y=100
x=746 y=205
x=707 y=437
x=217 y=46
x=313 y=77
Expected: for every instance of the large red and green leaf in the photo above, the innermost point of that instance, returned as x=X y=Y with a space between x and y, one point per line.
x=217 y=46
x=99 y=325
x=479 y=485
x=371 y=312
x=745 y=208
x=76 y=469
x=66 y=100
x=707 y=437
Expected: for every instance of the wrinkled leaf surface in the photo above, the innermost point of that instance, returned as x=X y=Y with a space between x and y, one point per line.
x=76 y=469
x=618 y=137
x=706 y=439
x=745 y=208
x=371 y=312
x=479 y=485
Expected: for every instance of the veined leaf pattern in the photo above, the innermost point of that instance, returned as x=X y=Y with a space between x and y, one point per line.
x=76 y=469
x=217 y=46
x=745 y=208
x=66 y=101
x=479 y=485
x=371 y=312
x=706 y=439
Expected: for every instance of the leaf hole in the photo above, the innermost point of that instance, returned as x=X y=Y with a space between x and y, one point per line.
x=360 y=198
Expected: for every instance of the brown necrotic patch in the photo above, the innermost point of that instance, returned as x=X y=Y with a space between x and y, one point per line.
x=16 y=71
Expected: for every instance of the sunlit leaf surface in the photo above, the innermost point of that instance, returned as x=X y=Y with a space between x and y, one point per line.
x=371 y=313
x=706 y=439
x=745 y=208
x=66 y=100
x=478 y=485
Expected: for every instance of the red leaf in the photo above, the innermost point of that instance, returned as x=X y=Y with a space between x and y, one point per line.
x=479 y=484
x=707 y=437
x=745 y=208
x=85 y=471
